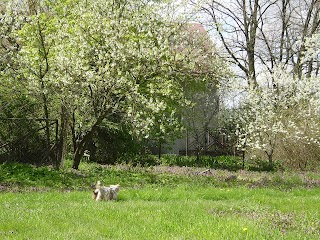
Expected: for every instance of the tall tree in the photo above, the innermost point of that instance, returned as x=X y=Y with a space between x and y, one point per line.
x=247 y=31
x=100 y=62
x=262 y=36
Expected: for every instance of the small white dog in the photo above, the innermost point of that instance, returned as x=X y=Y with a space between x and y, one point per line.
x=105 y=193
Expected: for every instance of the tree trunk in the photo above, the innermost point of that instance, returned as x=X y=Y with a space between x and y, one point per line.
x=73 y=131
x=270 y=161
x=78 y=155
x=46 y=114
x=81 y=146
x=62 y=136
x=243 y=156
x=47 y=128
x=160 y=149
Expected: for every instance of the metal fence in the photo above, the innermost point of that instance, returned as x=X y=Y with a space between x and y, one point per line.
x=28 y=140
x=210 y=143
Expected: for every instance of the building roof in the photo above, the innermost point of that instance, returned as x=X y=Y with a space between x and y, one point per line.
x=198 y=27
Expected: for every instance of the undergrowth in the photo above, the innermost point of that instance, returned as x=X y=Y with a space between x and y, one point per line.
x=19 y=177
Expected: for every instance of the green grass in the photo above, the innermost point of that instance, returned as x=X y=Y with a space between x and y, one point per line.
x=183 y=212
x=42 y=203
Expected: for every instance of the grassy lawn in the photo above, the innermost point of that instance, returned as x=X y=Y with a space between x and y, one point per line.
x=158 y=205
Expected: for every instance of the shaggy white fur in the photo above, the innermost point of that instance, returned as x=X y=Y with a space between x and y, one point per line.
x=105 y=193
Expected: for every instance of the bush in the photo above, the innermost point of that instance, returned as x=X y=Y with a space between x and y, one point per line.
x=110 y=146
x=221 y=162
x=298 y=155
x=263 y=165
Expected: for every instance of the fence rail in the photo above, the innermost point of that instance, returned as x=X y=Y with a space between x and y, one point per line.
x=208 y=142
x=31 y=140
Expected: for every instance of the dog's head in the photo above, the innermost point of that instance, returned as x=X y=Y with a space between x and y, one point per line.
x=98 y=184
x=116 y=188
x=95 y=194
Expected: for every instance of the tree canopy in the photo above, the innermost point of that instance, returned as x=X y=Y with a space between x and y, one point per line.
x=102 y=64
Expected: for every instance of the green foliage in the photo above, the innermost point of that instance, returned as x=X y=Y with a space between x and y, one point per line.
x=231 y=163
x=19 y=137
x=221 y=162
x=262 y=165
x=110 y=146
x=23 y=177
x=143 y=160
x=23 y=140
x=98 y=59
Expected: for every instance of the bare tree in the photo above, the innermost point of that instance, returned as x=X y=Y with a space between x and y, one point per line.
x=260 y=34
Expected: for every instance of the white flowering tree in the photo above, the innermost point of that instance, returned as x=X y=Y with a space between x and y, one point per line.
x=270 y=116
x=94 y=59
